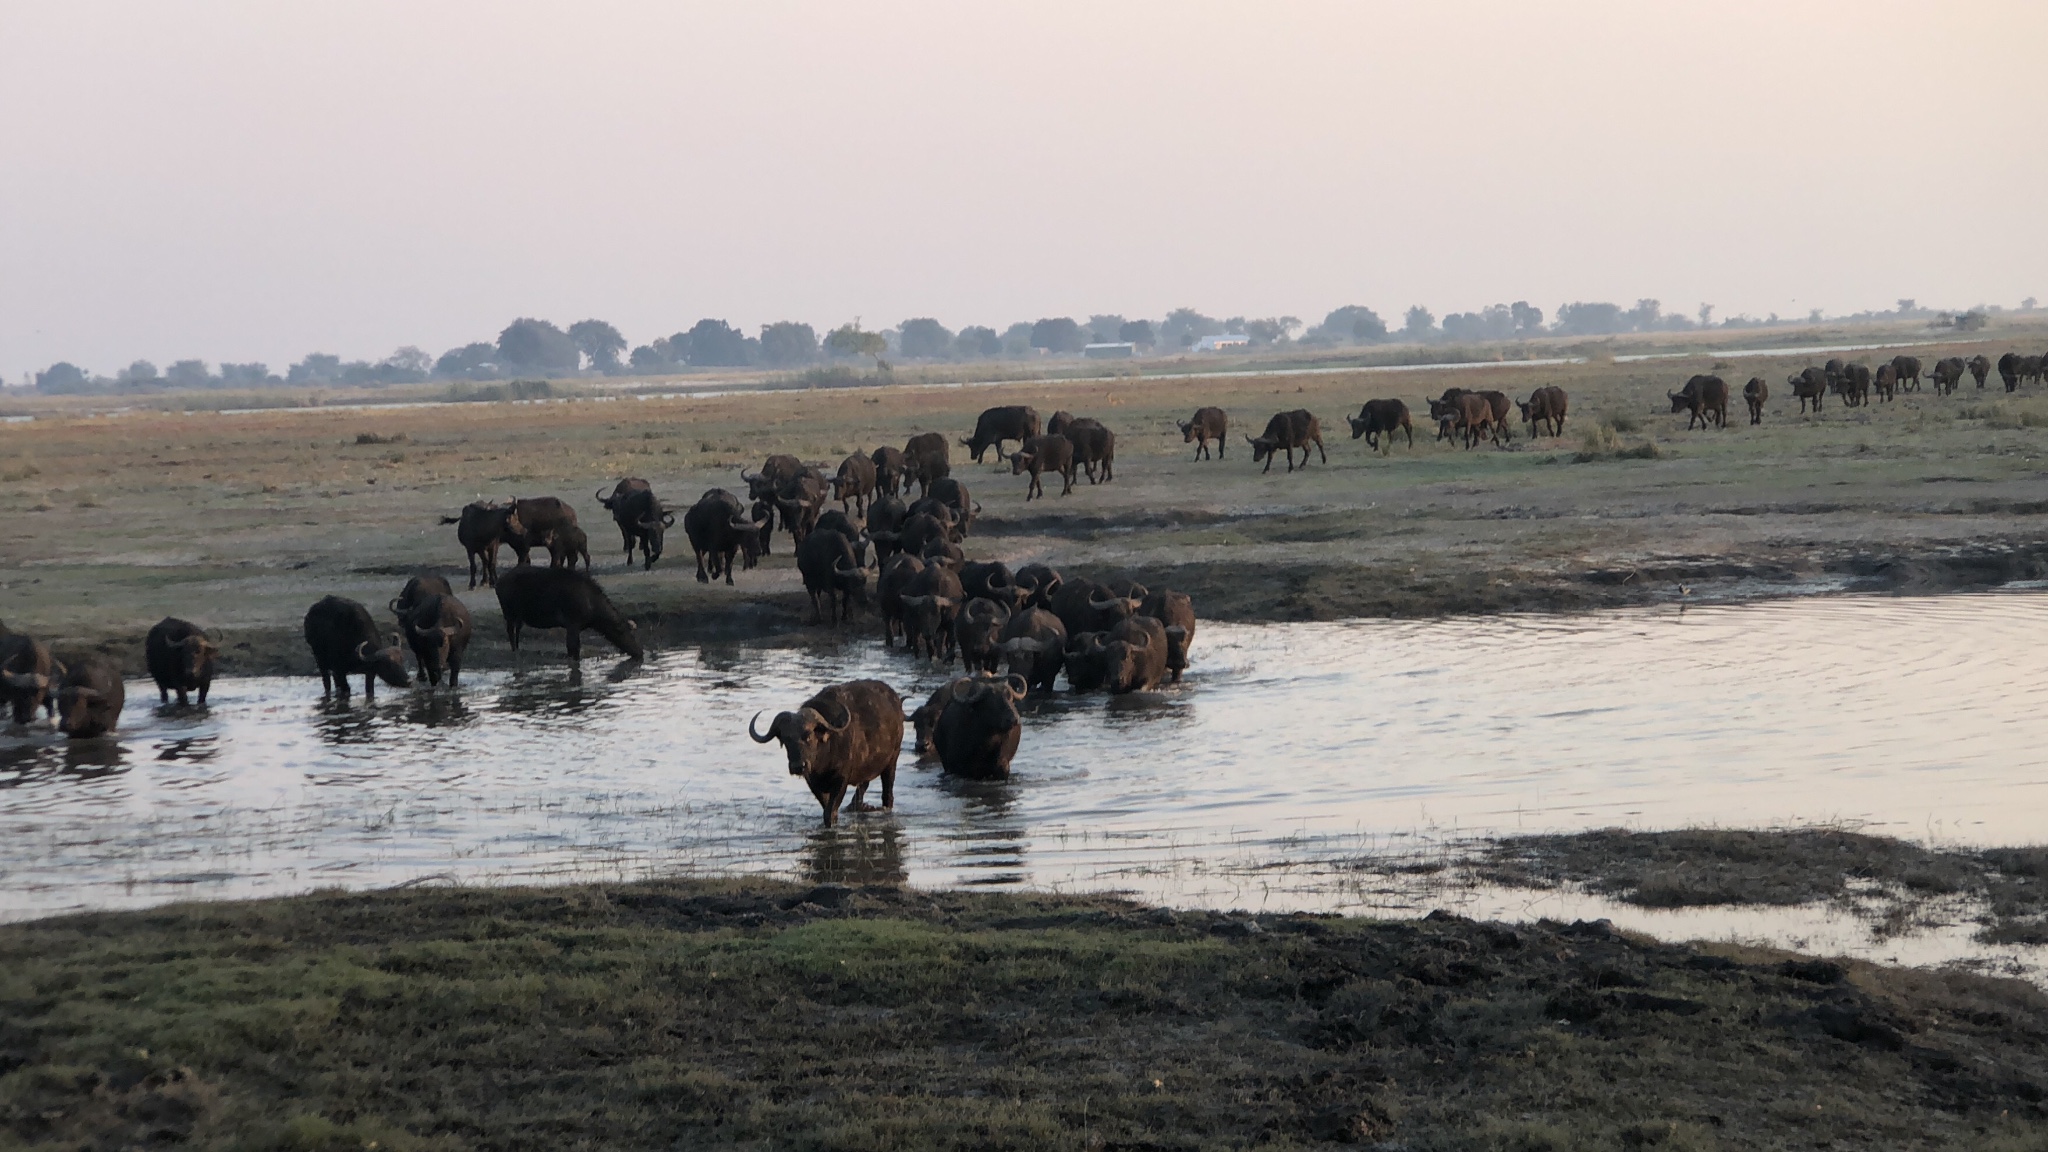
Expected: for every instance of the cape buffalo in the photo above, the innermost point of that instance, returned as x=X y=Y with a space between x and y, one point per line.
x=1285 y=432
x=2009 y=371
x=181 y=659
x=977 y=628
x=896 y=576
x=568 y=542
x=1057 y=426
x=641 y=518
x=924 y=460
x=1037 y=583
x=1854 y=384
x=832 y=575
x=1471 y=414
x=1754 y=394
x=1134 y=654
x=930 y=599
x=776 y=471
x=990 y=580
x=539 y=517
x=27 y=676
x=482 y=528
x=720 y=530
x=846 y=736
x=913 y=535
x=1886 y=382
x=560 y=598
x=926 y=718
x=1208 y=424
x=855 y=482
x=417 y=588
x=89 y=696
x=948 y=490
x=1809 y=386
x=1175 y=611
x=1042 y=454
x=1546 y=405
x=1379 y=418
x=1094 y=448
x=1083 y=661
x=886 y=516
x=888 y=470
x=345 y=643
x=799 y=502
x=1085 y=606
x=1706 y=398
x=1906 y=370
x=1980 y=367
x=1035 y=643
x=1011 y=422
x=978 y=729
x=1948 y=372
x=437 y=630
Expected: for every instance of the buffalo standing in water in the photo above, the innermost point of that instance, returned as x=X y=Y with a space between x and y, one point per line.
x=89 y=696
x=978 y=729
x=846 y=736
x=345 y=643
x=561 y=598
x=181 y=659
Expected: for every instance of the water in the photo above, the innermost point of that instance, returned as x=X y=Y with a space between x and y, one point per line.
x=1289 y=751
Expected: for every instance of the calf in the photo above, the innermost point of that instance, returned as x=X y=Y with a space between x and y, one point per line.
x=1754 y=394
x=482 y=527
x=847 y=736
x=1285 y=432
x=1045 y=454
x=560 y=598
x=977 y=630
x=568 y=542
x=977 y=730
x=89 y=696
x=1208 y=424
x=437 y=629
x=1380 y=418
x=181 y=659
x=345 y=643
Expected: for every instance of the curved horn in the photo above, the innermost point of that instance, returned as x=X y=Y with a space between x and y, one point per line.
x=362 y=650
x=24 y=681
x=1099 y=605
x=953 y=690
x=395 y=609
x=668 y=519
x=743 y=524
x=843 y=570
x=1017 y=685
x=843 y=725
x=749 y=477
x=1136 y=636
x=602 y=499
x=1250 y=441
x=774 y=728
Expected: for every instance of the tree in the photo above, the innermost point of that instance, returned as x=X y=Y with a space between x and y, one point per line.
x=1494 y=322
x=408 y=364
x=530 y=345
x=1017 y=339
x=465 y=361
x=1183 y=326
x=1353 y=323
x=140 y=372
x=188 y=374
x=851 y=340
x=1528 y=318
x=714 y=343
x=245 y=375
x=1645 y=316
x=1420 y=323
x=1589 y=318
x=924 y=338
x=1137 y=332
x=787 y=342
x=1057 y=334
x=1271 y=330
x=316 y=368
x=648 y=358
x=62 y=377
x=599 y=342
x=1103 y=329
x=978 y=340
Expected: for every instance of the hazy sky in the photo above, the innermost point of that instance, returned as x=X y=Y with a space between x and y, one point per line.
x=259 y=180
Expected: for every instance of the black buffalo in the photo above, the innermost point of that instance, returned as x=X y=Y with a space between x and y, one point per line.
x=1034 y=642
x=1705 y=398
x=896 y=576
x=482 y=528
x=1094 y=448
x=1379 y=418
x=437 y=630
x=1042 y=454
x=888 y=470
x=925 y=460
x=539 y=518
x=28 y=674
x=977 y=629
x=641 y=518
x=560 y=598
x=978 y=729
x=1285 y=432
x=89 y=696
x=1017 y=422
x=1037 y=584
x=720 y=533
x=1085 y=606
x=1175 y=612
x=1754 y=394
x=181 y=658
x=1208 y=424
x=931 y=598
x=345 y=643
x=832 y=574
x=1810 y=385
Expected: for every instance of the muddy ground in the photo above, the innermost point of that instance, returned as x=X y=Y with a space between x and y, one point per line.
x=108 y=523
x=754 y=1014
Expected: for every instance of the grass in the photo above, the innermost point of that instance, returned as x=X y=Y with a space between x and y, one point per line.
x=752 y=1014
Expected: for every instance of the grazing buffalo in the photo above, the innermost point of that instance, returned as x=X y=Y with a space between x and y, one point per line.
x=925 y=460
x=89 y=695
x=2009 y=371
x=1175 y=611
x=1017 y=422
x=1094 y=448
x=855 y=483
x=720 y=531
x=437 y=630
x=1285 y=432
x=896 y=576
x=1705 y=398
x=1035 y=644
x=567 y=543
x=1886 y=382
x=931 y=598
x=641 y=518
x=977 y=729
x=27 y=676
x=1208 y=424
x=181 y=658
x=847 y=736
x=539 y=518
x=416 y=589
x=1809 y=386
x=1980 y=367
x=482 y=528
x=345 y=643
x=1906 y=370
x=888 y=470
x=1379 y=418
x=1754 y=394
x=559 y=598
x=1045 y=454
x=1471 y=414
x=976 y=631
x=1546 y=406
x=832 y=575
x=1948 y=372
x=1085 y=606
x=1037 y=585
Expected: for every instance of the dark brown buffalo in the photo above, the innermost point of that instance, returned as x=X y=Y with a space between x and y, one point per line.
x=847 y=736
x=1085 y=606
x=1379 y=418
x=1833 y=370
x=952 y=492
x=1855 y=384
x=888 y=470
x=1754 y=394
x=1175 y=611
x=991 y=580
x=1471 y=415
x=482 y=528
x=1094 y=448
x=914 y=535
x=976 y=630
x=1038 y=584
x=931 y=598
x=1057 y=426
x=886 y=517
x=1208 y=424
x=1906 y=370
x=776 y=471
x=539 y=517
x=345 y=643
x=1017 y=422
x=89 y=695
x=28 y=676
x=832 y=574
x=1082 y=661
x=800 y=501
x=641 y=518
x=1809 y=386
x=559 y=598
x=1285 y=432
x=1130 y=657
x=417 y=587
x=1034 y=642
x=925 y=460
x=1947 y=373
x=2030 y=369
x=2009 y=371
x=181 y=658
x=1705 y=398
x=721 y=532
x=854 y=485
x=437 y=629
x=1042 y=454
x=896 y=576
x=978 y=728
x=926 y=718
x=1980 y=367
x=1546 y=405
x=1885 y=382
x=568 y=543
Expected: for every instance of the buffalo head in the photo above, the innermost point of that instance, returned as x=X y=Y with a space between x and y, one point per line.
x=385 y=663
x=807 y=735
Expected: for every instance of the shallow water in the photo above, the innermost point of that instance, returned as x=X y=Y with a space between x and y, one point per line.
x=1289 y=751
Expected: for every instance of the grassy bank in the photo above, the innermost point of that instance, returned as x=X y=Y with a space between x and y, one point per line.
x=760 y=1015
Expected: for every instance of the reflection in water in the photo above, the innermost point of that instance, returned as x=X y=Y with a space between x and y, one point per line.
x=1298 y=744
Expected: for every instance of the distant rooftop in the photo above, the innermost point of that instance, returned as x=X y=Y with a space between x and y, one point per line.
x=1227 y=340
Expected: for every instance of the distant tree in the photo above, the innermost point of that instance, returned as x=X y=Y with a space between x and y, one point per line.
x=924 y=338
x=1420 y=323
x=2029 y=304
x=676 y=346
x=61 y=378
x=1908 y=306
x=1494 y=322
x=248 y=375
x=1058 y=334
x=1813 y=316
x=316 y=368
x=1271 y=330
x=1971 y=321
x=714 y=343
x=140 y=372
x=1103 y=329
x=1646 y=316
x=1706 y=315
x=978 y=341
x=529 y=345
x=406 y=365
x=1528 y=318
x=648 y=359
x=1017 y=339
x=1595 y=318
x=188 y=374
x=599 y=342
x=1137 y=332
x=788 y=342
x=1183 y=326
x=1353 y=323
x=851 y=340
x=465 y=361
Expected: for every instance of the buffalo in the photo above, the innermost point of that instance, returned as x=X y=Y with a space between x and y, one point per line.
x=977 y=729
x=1285 y=432
x=437 y=630
x=1082 y=661
x=896 y=576
x=855 y=482
x=181 y=658
x=1906 y=370
x=977 y=629
x=1809 y=386
x=1948 y=372
x=539 y=518
x=560 y=598
x=1855 y=384
x=799 y=503
x=847 y=736
x=1011 y=422
x=776 y=471
x=1045 y=454
x=1175 y=611
x=1130 y=657
x=951 y=492
x=925 y=460
x=888 y=470
x=886 y=516
x=1546 y=405
x=482 y=528
x=914 y=535
x=1886 y=382
x=1057 y=426
x=1705 y=398
x=720 y=532
x=2009 y=371
x=1980 y=367
x=1208 y=424
x=1833 y=371
x=1085 y=606
x=568 y=542
x=931 y=598
x=416 y=589
x=926 y=718
x=1471 y=414
x=345 y=643
x=27 y=675
x=1094 y=448
x=832 y=575
x=991 y=580
x=1754 y=394
x=1380 y=418
x=1036 y=585
x=1034 y=642
x=641 y=518
x=89 y=696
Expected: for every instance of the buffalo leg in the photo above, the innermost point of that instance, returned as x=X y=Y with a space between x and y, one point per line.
x=859 y=803
x=163 y=695
x=702 y=578
x=575 y=645
x=512 y=633
x=829 y=798
x=184 y=701
x=1319 y=452
x=472 y=571
x=454 y=668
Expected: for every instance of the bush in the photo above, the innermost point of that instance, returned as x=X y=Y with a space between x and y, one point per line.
x=1603 y=441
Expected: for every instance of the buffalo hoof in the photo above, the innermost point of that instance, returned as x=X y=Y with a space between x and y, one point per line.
x=862 y=806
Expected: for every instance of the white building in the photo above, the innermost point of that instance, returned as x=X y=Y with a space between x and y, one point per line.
x=1224 y=342
x=1110 y=351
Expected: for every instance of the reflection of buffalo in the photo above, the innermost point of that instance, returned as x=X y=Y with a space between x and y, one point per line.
x=1017 y=422
x=1208 y=424
x=846 y=736
x=181 y=659
x=1285 y=432
x=977 y=731
x=1380 y=418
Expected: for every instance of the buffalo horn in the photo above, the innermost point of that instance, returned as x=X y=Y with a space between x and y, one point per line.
x=1176 y=632
x=394 y=607
x=1133 y=641
x=603 y=499
x=651 y=523
x=774 y=728
x=1099 y=605
x=842 y=726
x=668 y=519
x=362 y=650
x=448 y=630
x=25 y=681
x=1017 y=685
x=843 y=570
x=953 y=690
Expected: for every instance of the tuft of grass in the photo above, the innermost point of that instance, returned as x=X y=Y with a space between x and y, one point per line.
x=377 y=438
x=1603 y=441
x=21 y=471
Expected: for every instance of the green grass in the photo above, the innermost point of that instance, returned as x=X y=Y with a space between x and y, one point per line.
x=752 y=1014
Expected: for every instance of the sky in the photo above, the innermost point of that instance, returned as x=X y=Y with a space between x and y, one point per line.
x=255 y=181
